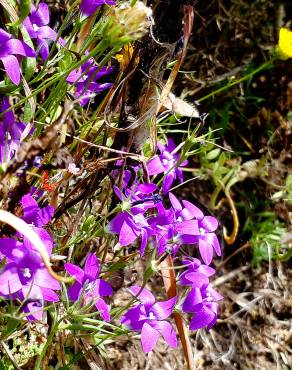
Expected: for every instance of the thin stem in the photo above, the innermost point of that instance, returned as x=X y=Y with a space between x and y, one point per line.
x=246 y=77
x=53 y=331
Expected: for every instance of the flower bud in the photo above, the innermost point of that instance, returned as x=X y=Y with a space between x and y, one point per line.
x=128 y=23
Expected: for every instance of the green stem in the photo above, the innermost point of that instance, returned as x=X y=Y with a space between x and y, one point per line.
x=246 y=77
x=53 y=331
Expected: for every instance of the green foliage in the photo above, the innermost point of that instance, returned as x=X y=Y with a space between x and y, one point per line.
x=266 y=239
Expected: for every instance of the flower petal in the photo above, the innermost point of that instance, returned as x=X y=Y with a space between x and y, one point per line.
x=12 y=68
x=193 y=299
x=213 y=240
x=134 y=318
x=209 y=223
x=118 y=192
x=202 y=318
x=189 y=227
x=49 y=295
x=175 y=202
x=45 y=215
x=207 y=270
x=145 y=296
x=43 y=279
x=36 y=310
x=4 y=36
x=155 y=166
x=88 y=7
x=127 y=235
x=7 y=247
x=146 y=188
x=206 y=251
x=117 y=222
x=214 y=294
x=144 y=239
x=167 y=181
x=97 y=87
x=75 y=271
x=91 y=268
x=196 y=279
x=18 y=47
x=44 y=236
x=74 y=76
x=29 y=27
x=40 y=16
x=74 y=291
x=46 y=32
x=43 y=48
x=149 y=337
x=9 y=280
x=162 y=310
x=103 y=309
x=102 y=288
x=195 y=211
x=30 y=209
x=168 y=332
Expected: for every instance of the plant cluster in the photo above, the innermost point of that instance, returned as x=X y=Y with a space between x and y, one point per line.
x=60 y=82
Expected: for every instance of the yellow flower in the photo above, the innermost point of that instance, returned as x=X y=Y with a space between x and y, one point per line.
x=125 y=56
x=285 y=44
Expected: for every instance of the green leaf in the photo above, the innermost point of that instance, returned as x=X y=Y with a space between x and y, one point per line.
x=12 y=325
x=213 y=154
x=24 y=7
x=28 y=112
x=28 y=64
x=2 y=366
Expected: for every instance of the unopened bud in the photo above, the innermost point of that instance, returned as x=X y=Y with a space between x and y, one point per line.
x=128 y=22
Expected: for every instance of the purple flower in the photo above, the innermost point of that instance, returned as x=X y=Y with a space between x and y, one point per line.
x=203 y=303
x=196 y=274
x=204 y=236
x=85 y=78
x=129 y=173
x=169 y=229
x=139 y=197
x=10 y=133
x=89 y=7
x=149 y=317
x=130 y=227
x=167 y=163
x=33 y=214
x=9 y=48
x=25 y=276
x=131 y=223
x=88 y=287
x=37 y=27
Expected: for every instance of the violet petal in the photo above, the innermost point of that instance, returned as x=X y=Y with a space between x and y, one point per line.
x=162 y=310
x=91 y=268
x=167 y=331
x=11 y=66
x=202 y=318
x=206 y=251
x=75 y=271
x=149 y=337
x=193 y=298
x=195 y=211
x=209 y=223
x=43 y=279
x=103 y=288
x=155 y=166
x=103 y=309
x=9 y=280
x=145 y=296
